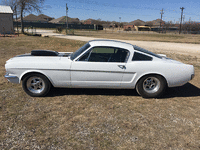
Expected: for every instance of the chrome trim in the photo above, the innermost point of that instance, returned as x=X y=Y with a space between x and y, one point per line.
x=7 y=76
x=11 y=78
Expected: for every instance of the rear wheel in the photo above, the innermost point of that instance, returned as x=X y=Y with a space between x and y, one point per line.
x=151 y=86
x=36 y=85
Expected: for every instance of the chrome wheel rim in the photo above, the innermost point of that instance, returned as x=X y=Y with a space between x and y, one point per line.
x=35 y=84
x=151 y=85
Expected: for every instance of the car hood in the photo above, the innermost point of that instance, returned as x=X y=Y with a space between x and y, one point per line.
x=39 y=62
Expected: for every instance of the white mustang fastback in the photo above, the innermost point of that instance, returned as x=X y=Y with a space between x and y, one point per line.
x=98 y=64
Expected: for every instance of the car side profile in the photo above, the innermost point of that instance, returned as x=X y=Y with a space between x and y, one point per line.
x=98 y=64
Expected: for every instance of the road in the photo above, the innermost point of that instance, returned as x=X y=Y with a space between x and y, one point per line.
x=181 y=48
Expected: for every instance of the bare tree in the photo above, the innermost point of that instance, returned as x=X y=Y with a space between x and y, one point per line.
x=29 y=6
x=24 y=6
x=191 y=27
x=121 y=25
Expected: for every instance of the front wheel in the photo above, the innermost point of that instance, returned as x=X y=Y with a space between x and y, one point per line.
x=151 y=86
x=36 y=85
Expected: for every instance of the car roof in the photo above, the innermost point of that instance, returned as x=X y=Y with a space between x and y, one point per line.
x=112 y=43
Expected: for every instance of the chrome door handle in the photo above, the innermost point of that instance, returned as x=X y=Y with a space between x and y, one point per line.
x=122 y=66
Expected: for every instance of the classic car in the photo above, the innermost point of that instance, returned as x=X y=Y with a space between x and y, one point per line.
x=98 y=64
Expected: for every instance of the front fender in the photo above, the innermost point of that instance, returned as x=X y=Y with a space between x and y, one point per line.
x=35 y=71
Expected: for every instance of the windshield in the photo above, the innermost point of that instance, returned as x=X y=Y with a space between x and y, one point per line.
x=146 y=51
x=79 y=51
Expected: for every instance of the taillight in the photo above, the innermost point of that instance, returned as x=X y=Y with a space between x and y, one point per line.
x=192 y=76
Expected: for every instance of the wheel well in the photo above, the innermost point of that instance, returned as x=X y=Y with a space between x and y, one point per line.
x=152 y=74
x=29 y=73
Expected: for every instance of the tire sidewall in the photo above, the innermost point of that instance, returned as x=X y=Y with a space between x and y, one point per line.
x=46 y=82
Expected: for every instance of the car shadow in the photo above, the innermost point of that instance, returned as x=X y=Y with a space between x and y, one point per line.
x=89 y=91
x=187 y=90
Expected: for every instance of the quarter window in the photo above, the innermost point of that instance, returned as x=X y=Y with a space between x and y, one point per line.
x=141 y=57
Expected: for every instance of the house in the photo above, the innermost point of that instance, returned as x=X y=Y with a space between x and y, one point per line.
x=129 y=27
x=45 y=17
x=6 y=20
x=142 y=28
x=62 y=20
x=34 y=18
x=137 y=22
x=89 y=21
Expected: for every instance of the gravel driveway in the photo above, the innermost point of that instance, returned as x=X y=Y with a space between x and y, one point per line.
x=181 y=48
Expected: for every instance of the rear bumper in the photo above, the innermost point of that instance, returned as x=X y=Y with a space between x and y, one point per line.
x=11 y=78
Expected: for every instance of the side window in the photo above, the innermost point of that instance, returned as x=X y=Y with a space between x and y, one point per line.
x=105 y=54
x=101 y=54
x=141 y=57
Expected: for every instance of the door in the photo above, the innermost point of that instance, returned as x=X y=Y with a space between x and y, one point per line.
x=101 y=67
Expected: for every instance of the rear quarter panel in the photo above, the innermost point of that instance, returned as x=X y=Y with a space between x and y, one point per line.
x=176 y=74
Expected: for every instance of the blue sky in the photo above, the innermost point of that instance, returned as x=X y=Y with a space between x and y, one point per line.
x=128 y=10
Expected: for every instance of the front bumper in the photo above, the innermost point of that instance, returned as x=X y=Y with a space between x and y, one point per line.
x=11 y=78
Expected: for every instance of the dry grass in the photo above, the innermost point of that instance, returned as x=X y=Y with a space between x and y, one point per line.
x=141 y=36
x=94 y=118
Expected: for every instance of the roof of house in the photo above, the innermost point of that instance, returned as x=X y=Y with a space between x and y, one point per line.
x=44 y=16
x=32 y=17
x=135 y=22
x=5 y=9
x=63 y=19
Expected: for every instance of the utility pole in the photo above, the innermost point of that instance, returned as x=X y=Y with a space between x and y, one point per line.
x=67 y=16
x=119 y=22
x=181 y=18
x=190 y=24
x=161 y=17
x=16 y=19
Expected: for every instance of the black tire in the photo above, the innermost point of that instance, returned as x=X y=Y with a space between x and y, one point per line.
x=36 y=85
x=151 y=86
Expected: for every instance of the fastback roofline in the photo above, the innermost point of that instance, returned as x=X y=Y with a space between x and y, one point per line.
x=110 y=41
